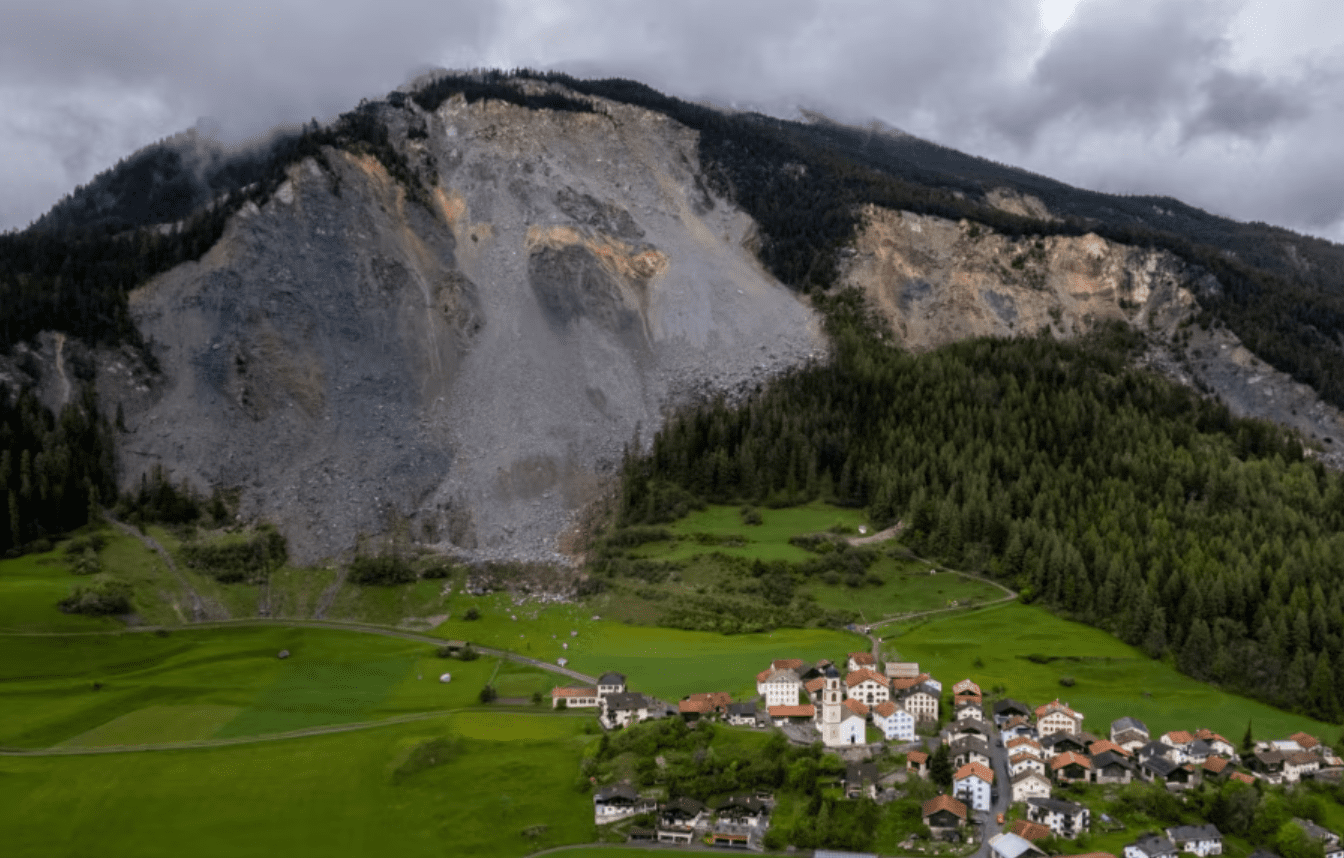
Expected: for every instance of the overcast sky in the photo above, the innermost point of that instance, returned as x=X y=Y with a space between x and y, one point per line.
x=1236 y=106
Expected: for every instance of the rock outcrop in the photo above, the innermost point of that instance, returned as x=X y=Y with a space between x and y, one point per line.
x=936 y=281
x=464 y=370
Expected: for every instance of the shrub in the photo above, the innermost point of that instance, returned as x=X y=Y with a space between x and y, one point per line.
x=439 y=571
x=381 y=571
x=472 y=614
x=1067 y=681
x=234 y=562
x=102 y=596
x=488 y=693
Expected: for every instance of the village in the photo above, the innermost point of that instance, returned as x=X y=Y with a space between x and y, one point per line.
x=1009 y=759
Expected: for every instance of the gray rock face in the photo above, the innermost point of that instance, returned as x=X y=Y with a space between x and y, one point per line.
x=464 y=372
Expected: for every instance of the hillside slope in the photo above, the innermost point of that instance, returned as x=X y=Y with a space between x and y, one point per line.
x=464 y=372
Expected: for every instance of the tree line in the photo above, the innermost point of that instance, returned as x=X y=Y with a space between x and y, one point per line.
x=54 y=469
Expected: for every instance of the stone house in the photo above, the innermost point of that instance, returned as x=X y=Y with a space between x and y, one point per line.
x=974 y=784
x=1065 y=818
x=779 y=686
x=943 y=814
x=742 y=714
x=574 y=698
x=1056 y=717
x=619 y=801
x=610 y=682
x=867 y=685
x=1151 y=846
x=1030 y=784
x=857 y=660
x=1010 y=708
x=1070 y=766
x=1202 y=840
x=895 y=723
x=623 y=709
x=1110 y=767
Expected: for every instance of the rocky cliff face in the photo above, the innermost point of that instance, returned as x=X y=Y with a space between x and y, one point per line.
x=463 y=371
x=936 y=281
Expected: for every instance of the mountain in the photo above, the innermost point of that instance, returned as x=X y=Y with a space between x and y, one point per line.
x=446 y=316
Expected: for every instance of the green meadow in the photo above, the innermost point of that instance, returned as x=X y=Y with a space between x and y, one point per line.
x=1112 y=679
x=908 y=587
x=222 y=683
x=721 y=529
x=31 y=585
x=501 y=785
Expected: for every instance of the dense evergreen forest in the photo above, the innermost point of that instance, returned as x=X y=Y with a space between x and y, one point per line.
x=1109 y=494
x=53 y=469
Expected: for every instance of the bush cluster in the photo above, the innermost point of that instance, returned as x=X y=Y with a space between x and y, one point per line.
x=102 y=596
x=251 y=561
x=384 y=571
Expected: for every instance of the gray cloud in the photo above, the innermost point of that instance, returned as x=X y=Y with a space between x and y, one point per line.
x=1246 y=105
x=1215 y=102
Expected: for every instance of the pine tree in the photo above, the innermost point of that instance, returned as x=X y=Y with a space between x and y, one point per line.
x=940 y=767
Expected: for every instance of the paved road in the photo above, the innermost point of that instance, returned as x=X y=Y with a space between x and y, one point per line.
x=998 y=760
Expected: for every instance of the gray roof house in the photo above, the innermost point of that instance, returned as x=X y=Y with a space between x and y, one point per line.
x=1151 y=846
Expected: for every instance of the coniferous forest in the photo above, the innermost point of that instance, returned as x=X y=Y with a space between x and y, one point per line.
x=1108 y=494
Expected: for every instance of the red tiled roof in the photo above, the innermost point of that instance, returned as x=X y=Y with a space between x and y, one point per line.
x=1017 y=758
x=1015 y=721
x=858 y=707
x=573 y=692
x=900 y=683
x=1031 y=830
x=862 y=658
x=1091 y=855
x=1106 y=745
x=1024 y=740
x=974 y=770
x=1180 y=737
x=1305 y=740
x=807 y=710
x=863 y=674
x=690 y=706
x=764 y=674
x=786 y=663
x=917 y=757
x=1302 y=758
x=1209 y=736
x=716 y=699
x=1243 y=777
x=1215 y=765
x=1068 y=758
x=944 y=802
x=815 y=684
x=1055 y=706
x=886 y=709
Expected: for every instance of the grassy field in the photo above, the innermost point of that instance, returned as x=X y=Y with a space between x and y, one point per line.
x=321 y=796
x=140 y=688
x=767 y=541
x=907 y=587
x=1112 y=679
x=669 y=663
x=31 y=585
